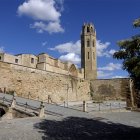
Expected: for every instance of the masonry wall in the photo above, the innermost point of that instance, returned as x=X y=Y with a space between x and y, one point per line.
x=39 y=84
x=106 y=89
x=34 y=83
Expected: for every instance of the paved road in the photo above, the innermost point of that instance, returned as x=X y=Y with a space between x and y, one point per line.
x=113 y=126
x=69 y=124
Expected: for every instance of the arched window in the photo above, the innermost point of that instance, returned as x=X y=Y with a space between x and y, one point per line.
x=32 y=60
x=88 y=43
x=91 y=29
x=16 y=60
x=88 y=29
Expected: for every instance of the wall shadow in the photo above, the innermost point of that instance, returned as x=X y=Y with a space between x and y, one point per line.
x=75 y=128
x=2 y=112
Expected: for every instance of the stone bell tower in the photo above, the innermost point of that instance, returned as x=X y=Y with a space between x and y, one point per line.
x=88 y=51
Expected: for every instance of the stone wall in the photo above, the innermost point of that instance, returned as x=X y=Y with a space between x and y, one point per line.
x=10 y=58
x=42 y=62
x=38 y=84
x=34 y=83
x=105 y=89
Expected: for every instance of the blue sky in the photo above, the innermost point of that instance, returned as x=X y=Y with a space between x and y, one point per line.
x=54 y=27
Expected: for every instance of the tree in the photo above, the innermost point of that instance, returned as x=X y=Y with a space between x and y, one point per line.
x=129 y=52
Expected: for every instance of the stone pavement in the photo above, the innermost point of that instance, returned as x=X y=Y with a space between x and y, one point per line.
x=112 y=126
x=68 y=124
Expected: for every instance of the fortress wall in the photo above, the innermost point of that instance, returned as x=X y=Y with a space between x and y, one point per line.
x=42 y=58
x=40 y=84
x=11 y=58
x=62 y=65
x=55 y=69
x=81 y=75
x=51 y=61
x=110 y=88
x=41 y=66
x=26 y=60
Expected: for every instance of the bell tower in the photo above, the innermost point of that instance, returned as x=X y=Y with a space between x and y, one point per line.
x=88 y=51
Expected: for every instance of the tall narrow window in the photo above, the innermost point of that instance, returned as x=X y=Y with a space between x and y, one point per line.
x=88 y=43
x=32 y=60
x=16 y=60
x=88 y=30
x=0 y=57
x=88 y=55
x=91 y=29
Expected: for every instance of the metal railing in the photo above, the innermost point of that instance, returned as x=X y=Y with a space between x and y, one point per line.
x=93 y=107
x=22 y=106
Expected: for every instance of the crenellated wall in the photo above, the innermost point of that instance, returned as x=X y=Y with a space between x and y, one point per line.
x=42 y=62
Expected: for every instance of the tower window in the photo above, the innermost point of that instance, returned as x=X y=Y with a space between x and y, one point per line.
x=88 y=30
x=16 y=60
x=91 y=29
x=88 y=43
x=0 y=57
x=88 y=55
x=32 y=60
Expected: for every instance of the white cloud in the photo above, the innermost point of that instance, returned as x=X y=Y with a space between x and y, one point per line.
x=45 y=13
x=51 y=27
x=74 y=48
x=102 y=49
x=59 y=5
x=68 y=47
x=70 y=50
x=111 y=67
x=102 y=74
x=112 y=51
x=71 y=57
x=71 y=47
x=39 y=10
x=117 y=76
x=2 y=49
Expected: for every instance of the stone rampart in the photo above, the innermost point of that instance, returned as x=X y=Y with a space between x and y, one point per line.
x=42 y=62
x=37 y=84
x=110 y=88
